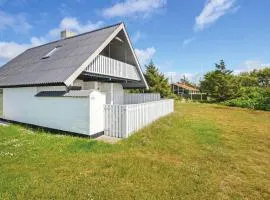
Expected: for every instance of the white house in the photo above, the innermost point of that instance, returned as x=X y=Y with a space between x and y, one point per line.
x=77 y=83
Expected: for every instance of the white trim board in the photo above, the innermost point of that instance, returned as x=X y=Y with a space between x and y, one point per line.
x=136 y=59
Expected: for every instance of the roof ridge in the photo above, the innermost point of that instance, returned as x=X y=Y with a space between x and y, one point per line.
x=99 y=29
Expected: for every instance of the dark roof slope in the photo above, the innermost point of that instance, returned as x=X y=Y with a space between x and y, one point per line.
x=30 y=69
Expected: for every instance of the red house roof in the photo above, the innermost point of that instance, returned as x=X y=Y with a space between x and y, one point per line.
x=187 y=87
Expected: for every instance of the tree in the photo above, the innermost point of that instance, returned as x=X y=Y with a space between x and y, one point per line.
x=245 y=79
x=157 y=81
x=220 y=84
x=263 y=76
x=185 y=80
x=221 y=67
x=255 y=78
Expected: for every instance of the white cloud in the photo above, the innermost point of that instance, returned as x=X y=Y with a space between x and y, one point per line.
x=6 y=20
x=250 y=65
x=136 y=36
x=16 y=22
x=9 y=50
x=36 y=41
x=133 y=8
x=174 y=77
x=212 y=11
x=73 y=24
x=188 y=41
x=145 y=55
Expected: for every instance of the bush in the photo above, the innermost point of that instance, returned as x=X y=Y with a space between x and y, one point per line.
x=195 y=97
x=252 y=97
x=220 y=84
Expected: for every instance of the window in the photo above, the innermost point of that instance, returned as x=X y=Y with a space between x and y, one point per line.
x=51 y=52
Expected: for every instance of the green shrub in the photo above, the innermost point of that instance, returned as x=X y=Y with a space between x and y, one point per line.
x=252 y=97
x=195 y=97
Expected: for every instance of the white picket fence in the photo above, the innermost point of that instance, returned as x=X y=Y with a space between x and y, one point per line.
x=123 y=120
x=135 y=98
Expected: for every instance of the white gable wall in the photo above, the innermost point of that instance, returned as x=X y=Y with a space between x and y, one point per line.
x=63 y=113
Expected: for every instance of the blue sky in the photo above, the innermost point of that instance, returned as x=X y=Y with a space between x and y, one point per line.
x=182 y=37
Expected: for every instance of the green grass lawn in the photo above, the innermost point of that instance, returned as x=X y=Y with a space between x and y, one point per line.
x=199 y=152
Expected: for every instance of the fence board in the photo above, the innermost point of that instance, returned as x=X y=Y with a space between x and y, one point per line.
x=123 y=120
x=136 y=98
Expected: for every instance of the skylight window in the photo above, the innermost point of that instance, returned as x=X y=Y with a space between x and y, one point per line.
x=51 y=52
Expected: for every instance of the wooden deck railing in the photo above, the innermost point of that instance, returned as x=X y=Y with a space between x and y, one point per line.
x=123 y=120
x=107 y=66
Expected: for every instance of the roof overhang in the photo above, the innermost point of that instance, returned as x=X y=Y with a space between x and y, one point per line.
x=87 y=76
x=33 y=85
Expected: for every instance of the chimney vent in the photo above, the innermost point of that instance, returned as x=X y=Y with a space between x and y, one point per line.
x=66 y=34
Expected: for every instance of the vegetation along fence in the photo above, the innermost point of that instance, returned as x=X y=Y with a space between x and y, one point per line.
x=123 y=120
x=195 y=97
x=133 y=98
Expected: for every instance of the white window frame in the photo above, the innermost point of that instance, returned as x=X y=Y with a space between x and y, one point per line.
x=51 y=52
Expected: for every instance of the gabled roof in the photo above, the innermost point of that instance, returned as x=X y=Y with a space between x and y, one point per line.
x=72 y=56
x=187 y=87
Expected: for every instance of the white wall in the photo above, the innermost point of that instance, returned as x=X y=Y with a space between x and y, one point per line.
x=114 y=91
x=118 y=94
x=97 y=116
x=63 y=113
x=106 y=88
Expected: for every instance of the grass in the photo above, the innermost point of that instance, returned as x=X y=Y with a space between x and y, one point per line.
x=200 y=151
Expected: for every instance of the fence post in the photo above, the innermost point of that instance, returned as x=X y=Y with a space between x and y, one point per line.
x=125 y=122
